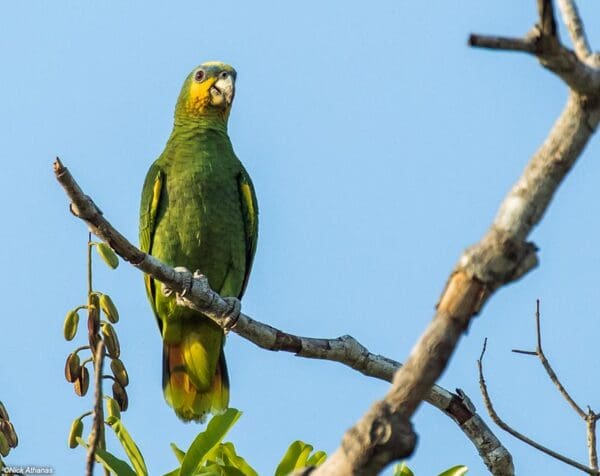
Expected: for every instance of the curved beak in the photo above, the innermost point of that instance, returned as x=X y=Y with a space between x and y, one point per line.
x=222 y=91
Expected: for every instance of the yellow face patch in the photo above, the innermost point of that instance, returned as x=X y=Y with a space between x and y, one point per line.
x=199 y=97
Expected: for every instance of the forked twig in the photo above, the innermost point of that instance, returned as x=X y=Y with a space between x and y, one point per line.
x=496 y=418
x=590 y=417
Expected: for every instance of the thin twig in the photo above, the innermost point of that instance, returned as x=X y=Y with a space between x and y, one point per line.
x=502 y=43
x=525 y=352
x=590 y=421
x=575 y=28
x=550 y=371
x=516 y=434
x=96 y=435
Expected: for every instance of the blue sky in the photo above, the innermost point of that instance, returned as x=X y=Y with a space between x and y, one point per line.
x=380 y=146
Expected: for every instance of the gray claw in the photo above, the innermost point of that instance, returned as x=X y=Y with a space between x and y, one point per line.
x=233 y=314
x=167 y=291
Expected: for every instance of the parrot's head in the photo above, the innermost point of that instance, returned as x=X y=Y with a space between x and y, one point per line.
x=207 y=92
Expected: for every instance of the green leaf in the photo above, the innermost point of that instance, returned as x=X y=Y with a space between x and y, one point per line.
x=295 y=457
x=131 y=449
x=231 y=458
x=215 y=431
x=110 y=462
x=317 y=459
x=402 y=470
x=107 y=254
x=179 y=453
x=219 y=470
x=210 y=470
x=459 y=470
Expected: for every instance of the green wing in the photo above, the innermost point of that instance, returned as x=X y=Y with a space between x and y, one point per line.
x=250 y=215
x=148 y=211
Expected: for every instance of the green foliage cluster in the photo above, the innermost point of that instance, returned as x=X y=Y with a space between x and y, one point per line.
x=206 y=456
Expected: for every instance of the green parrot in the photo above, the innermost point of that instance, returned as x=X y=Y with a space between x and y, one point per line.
x=198 y=211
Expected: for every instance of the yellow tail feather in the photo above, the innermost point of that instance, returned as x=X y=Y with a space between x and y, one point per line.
x=180 y=383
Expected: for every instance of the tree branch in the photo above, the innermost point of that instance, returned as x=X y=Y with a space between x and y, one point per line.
x=590 y=422
x=502 y=43
x=516 y=434
x=345 y=349
x=575 y=28
x=580 y=74
x=502 y=256
x=96 y=435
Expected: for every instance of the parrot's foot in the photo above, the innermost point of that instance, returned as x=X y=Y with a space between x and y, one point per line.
x=187 y=276
x=233 y=313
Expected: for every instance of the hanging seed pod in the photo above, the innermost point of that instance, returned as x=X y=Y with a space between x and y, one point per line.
x=3 y=412
x=107 y=254
x=111 y=340
x=75 y=432
x=4 y=448
x=72 y=367
x=120 y=395
x=82 y=383
x=70 y=325
x=109 y=308
x=8 y=430
x=113 y=410
x=119 y=372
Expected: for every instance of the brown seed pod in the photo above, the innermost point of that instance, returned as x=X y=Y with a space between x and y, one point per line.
x=119 y=371
x=3 y=412
x=72 y=367
x=8 y=430
x=4 y=448
x=111 y=340
x=82 y=383
x=120 y=395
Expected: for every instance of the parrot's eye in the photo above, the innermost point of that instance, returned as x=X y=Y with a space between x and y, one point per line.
x=199 y=76
x=224 y=75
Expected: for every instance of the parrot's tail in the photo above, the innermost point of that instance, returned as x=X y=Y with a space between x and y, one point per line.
x=195 y=384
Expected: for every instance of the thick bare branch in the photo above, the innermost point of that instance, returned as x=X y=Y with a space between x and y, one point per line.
x=492 y=412
x=344 y=349
x=502 y=256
